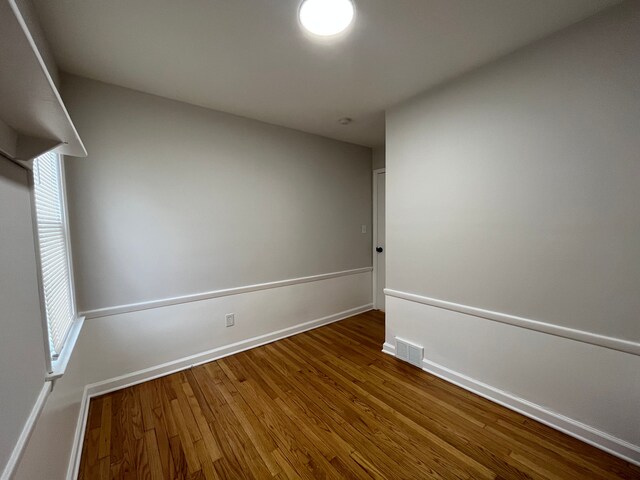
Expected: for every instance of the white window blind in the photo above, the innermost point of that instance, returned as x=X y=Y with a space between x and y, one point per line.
x=54 y=255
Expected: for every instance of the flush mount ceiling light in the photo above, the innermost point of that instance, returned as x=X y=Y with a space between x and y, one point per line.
x=326 y=17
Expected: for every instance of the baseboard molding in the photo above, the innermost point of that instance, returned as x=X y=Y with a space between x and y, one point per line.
x=389 y=349
x=27 y=430
x=134 y=307
x=78 y=437
x=599 y=439
x=583 y=336
x=574 y=428
x=140 y=376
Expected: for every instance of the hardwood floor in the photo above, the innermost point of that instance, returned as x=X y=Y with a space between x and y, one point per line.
x=323 y=404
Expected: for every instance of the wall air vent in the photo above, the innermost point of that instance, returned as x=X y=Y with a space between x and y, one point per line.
x=409 y=352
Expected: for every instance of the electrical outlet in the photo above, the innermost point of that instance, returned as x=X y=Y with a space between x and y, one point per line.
x=230 y=319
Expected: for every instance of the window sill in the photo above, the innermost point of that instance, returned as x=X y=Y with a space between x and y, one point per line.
x=59 y=366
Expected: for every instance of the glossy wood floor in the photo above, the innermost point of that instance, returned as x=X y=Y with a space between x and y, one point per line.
x=323 y=404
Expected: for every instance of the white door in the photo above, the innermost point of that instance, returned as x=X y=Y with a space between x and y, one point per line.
x=378 y=238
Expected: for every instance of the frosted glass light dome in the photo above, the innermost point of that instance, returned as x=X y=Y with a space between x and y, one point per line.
x=326 y=17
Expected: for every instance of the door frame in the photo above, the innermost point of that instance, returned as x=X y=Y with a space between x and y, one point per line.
x=374 y=232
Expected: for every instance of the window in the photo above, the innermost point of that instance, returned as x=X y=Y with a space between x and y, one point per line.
x=56 y=278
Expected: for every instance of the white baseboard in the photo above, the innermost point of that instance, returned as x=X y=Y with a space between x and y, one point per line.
x=78 y=437
x=134 y=378
x=19 y=448
x=389 y=349
x=599 y=439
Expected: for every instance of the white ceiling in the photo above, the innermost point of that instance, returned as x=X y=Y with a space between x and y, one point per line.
x=250 y=58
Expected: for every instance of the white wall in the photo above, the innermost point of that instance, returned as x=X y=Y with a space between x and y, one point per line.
x=178 y=200
x=175 y=337
x=516 y=189
x=175 y=199
x=22 y=362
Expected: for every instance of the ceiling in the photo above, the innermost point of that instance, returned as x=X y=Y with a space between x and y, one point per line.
x=250 y=58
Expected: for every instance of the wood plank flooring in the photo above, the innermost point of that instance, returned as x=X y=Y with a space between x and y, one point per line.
x=323 y=404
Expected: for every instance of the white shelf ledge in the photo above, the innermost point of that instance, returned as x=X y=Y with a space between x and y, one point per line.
x=59 y=366
x=33 y=118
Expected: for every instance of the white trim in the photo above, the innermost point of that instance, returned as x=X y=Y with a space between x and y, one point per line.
x=134 y=378
x=59 y=366
x=130 y=379
x=27 y=430
x=599 y=439
x=389 y=349
x=67 y=233
x=583 y=336
x=134 y=307
x=374 y=232
x=78 y=436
